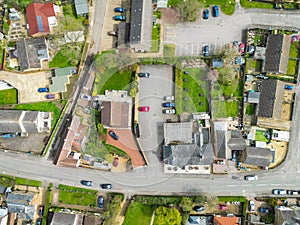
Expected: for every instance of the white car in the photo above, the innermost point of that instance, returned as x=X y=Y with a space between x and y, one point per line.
x=251 y=206
x=169 y=98
x=169 y=111
x=251 y=177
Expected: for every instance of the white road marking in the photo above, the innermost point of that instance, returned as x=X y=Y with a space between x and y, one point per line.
x=275 y=184
x=261 y=185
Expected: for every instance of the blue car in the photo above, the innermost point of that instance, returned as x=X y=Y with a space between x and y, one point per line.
x=205 y=14
x=168 y=104
x=205 y=50
x=120 y=9
x=120 y=18
x=44 y=89
x=215 y=11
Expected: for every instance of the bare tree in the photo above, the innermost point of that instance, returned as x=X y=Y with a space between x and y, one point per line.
x=188 y=10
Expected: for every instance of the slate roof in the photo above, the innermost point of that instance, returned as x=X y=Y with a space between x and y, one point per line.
x=81 y=7
x=31 y=52
x=258 y=156
x=237 y=144
x=220 y=141
x=253 y=97
x=287 y=215
x=270 y=99
x=115 y=114
x=19 y=198
x=65 y=219
x=24 y=212
x=12 y=121
x=2 y=189
x=37 y=17
x=123 y=34
x=277 y=53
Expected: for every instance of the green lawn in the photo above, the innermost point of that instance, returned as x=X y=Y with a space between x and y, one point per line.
x=292 y=65
x=194 y=91
x=9 y=96
x=23 y=181
x=60 y=61
x=119 y=80
x=250 y=109
x=72 y=188
x=155 y=38
x=169 y=50
x=254 y=4
x=42 y=106
x=224 y=109
x=138 y=213
x=227 y=6
x=259 y=136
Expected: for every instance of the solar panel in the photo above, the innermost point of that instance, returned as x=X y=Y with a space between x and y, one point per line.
x=40 y=24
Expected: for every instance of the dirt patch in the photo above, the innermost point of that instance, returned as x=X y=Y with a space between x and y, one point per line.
x=169 y=16
x=280 y=152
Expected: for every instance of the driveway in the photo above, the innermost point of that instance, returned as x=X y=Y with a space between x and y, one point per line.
x=27 y=84
x=217 y=31
x=151 y=92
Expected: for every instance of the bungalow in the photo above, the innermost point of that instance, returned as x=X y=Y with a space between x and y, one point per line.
x=61 y=79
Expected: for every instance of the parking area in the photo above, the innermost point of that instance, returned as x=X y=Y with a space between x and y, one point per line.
x=27 y=84
x=151 y=93
x=109 y=24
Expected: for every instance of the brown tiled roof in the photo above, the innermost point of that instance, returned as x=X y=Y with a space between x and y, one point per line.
x=277 y=53
x=115 y=114
x=226 y=220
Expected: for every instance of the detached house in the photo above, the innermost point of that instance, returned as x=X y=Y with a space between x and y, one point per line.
x=41 y=17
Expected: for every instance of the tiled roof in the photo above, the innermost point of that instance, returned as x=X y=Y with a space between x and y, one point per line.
x=226 y=220
x=37 y=17
x=277 y=53
x=237 y=144
x=258 y=156
x=115 y=114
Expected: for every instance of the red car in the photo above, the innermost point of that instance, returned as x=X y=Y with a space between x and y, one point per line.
x=222 y=207
x=242 y=47
x=144 y=108
x=295 y=38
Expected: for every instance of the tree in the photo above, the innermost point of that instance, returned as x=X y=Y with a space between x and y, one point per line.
x=186 y=204
x=188 y=10
x=167 y=216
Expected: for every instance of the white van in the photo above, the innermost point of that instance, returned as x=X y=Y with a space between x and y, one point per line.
x=251 y=177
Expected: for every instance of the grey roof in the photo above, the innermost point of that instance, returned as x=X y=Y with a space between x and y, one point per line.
x=270 y=99
x=179 y=133
x=24 y=212
x=61 y=79
x=19 y=198
x=123 y=34
x=31 y=51
x=115 y=114
x=258 y=156
x=188 y=154
x=2 y=189
x=217 y=63
x=237 y=144
x=277 y=53
x=253 y=97
x=220 y=141
x=63 y=218
x=287 y=215
x=81 y=7
x=12 y=120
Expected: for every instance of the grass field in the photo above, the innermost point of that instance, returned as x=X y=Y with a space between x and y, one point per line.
x=250 y=109
x=155 y=38
x=224 y=109
x=138 y=213
x=60 y=61
x=120 y=80
x=227 y=6
x=23 y=181
x=254 y=4
x=42 y=106
x=9 y=96
x=259 y=136
x=169 y=50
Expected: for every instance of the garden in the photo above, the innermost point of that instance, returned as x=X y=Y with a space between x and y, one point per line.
x=155 y=38
x=10 y=181
x=293 y=59
x=260 y=136
x=9 y=96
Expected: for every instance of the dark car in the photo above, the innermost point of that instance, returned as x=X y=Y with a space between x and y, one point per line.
x=100 y=201
x=113 y=135
x=168 y=104
x=40 y=211
x=39 y=221
x=120 y=18
x=198 y=208
x=50 y=96
x=120 y=9
x=264 y=210
x=205 y=14
x=279 y=192
x=86 y=182
x=146 y=75
x=44 y=89
x=205 y=50
x=106 y=186
x=215 y=10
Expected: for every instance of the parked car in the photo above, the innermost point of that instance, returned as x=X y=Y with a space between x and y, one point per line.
x=215 y=10
x=168 y=104
x=242 y=47
x=198 y=208
x=100 y=201
x=264 y=210
x=222 y=207
x=205 y=14
x=120 y=9
x=43 y=89
x=279 y=192
x=169 y=98
x=7 y=136
x=251 y=206
x=113 y=33
x=205 y=50
x=251 y=177
x=233 y=158
x=295 y=38
x=144 y=108
x=292 y=192
x=106 y=186
x=86 y=97
x=169 y=111
x=40 y=211
x=86 y=182
x=50 y=96
x=116 y=162
x=145 y=75
x=261 y=76
x=39 y=221
x=113 y=135
x=288 y=87
x=120 y=18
